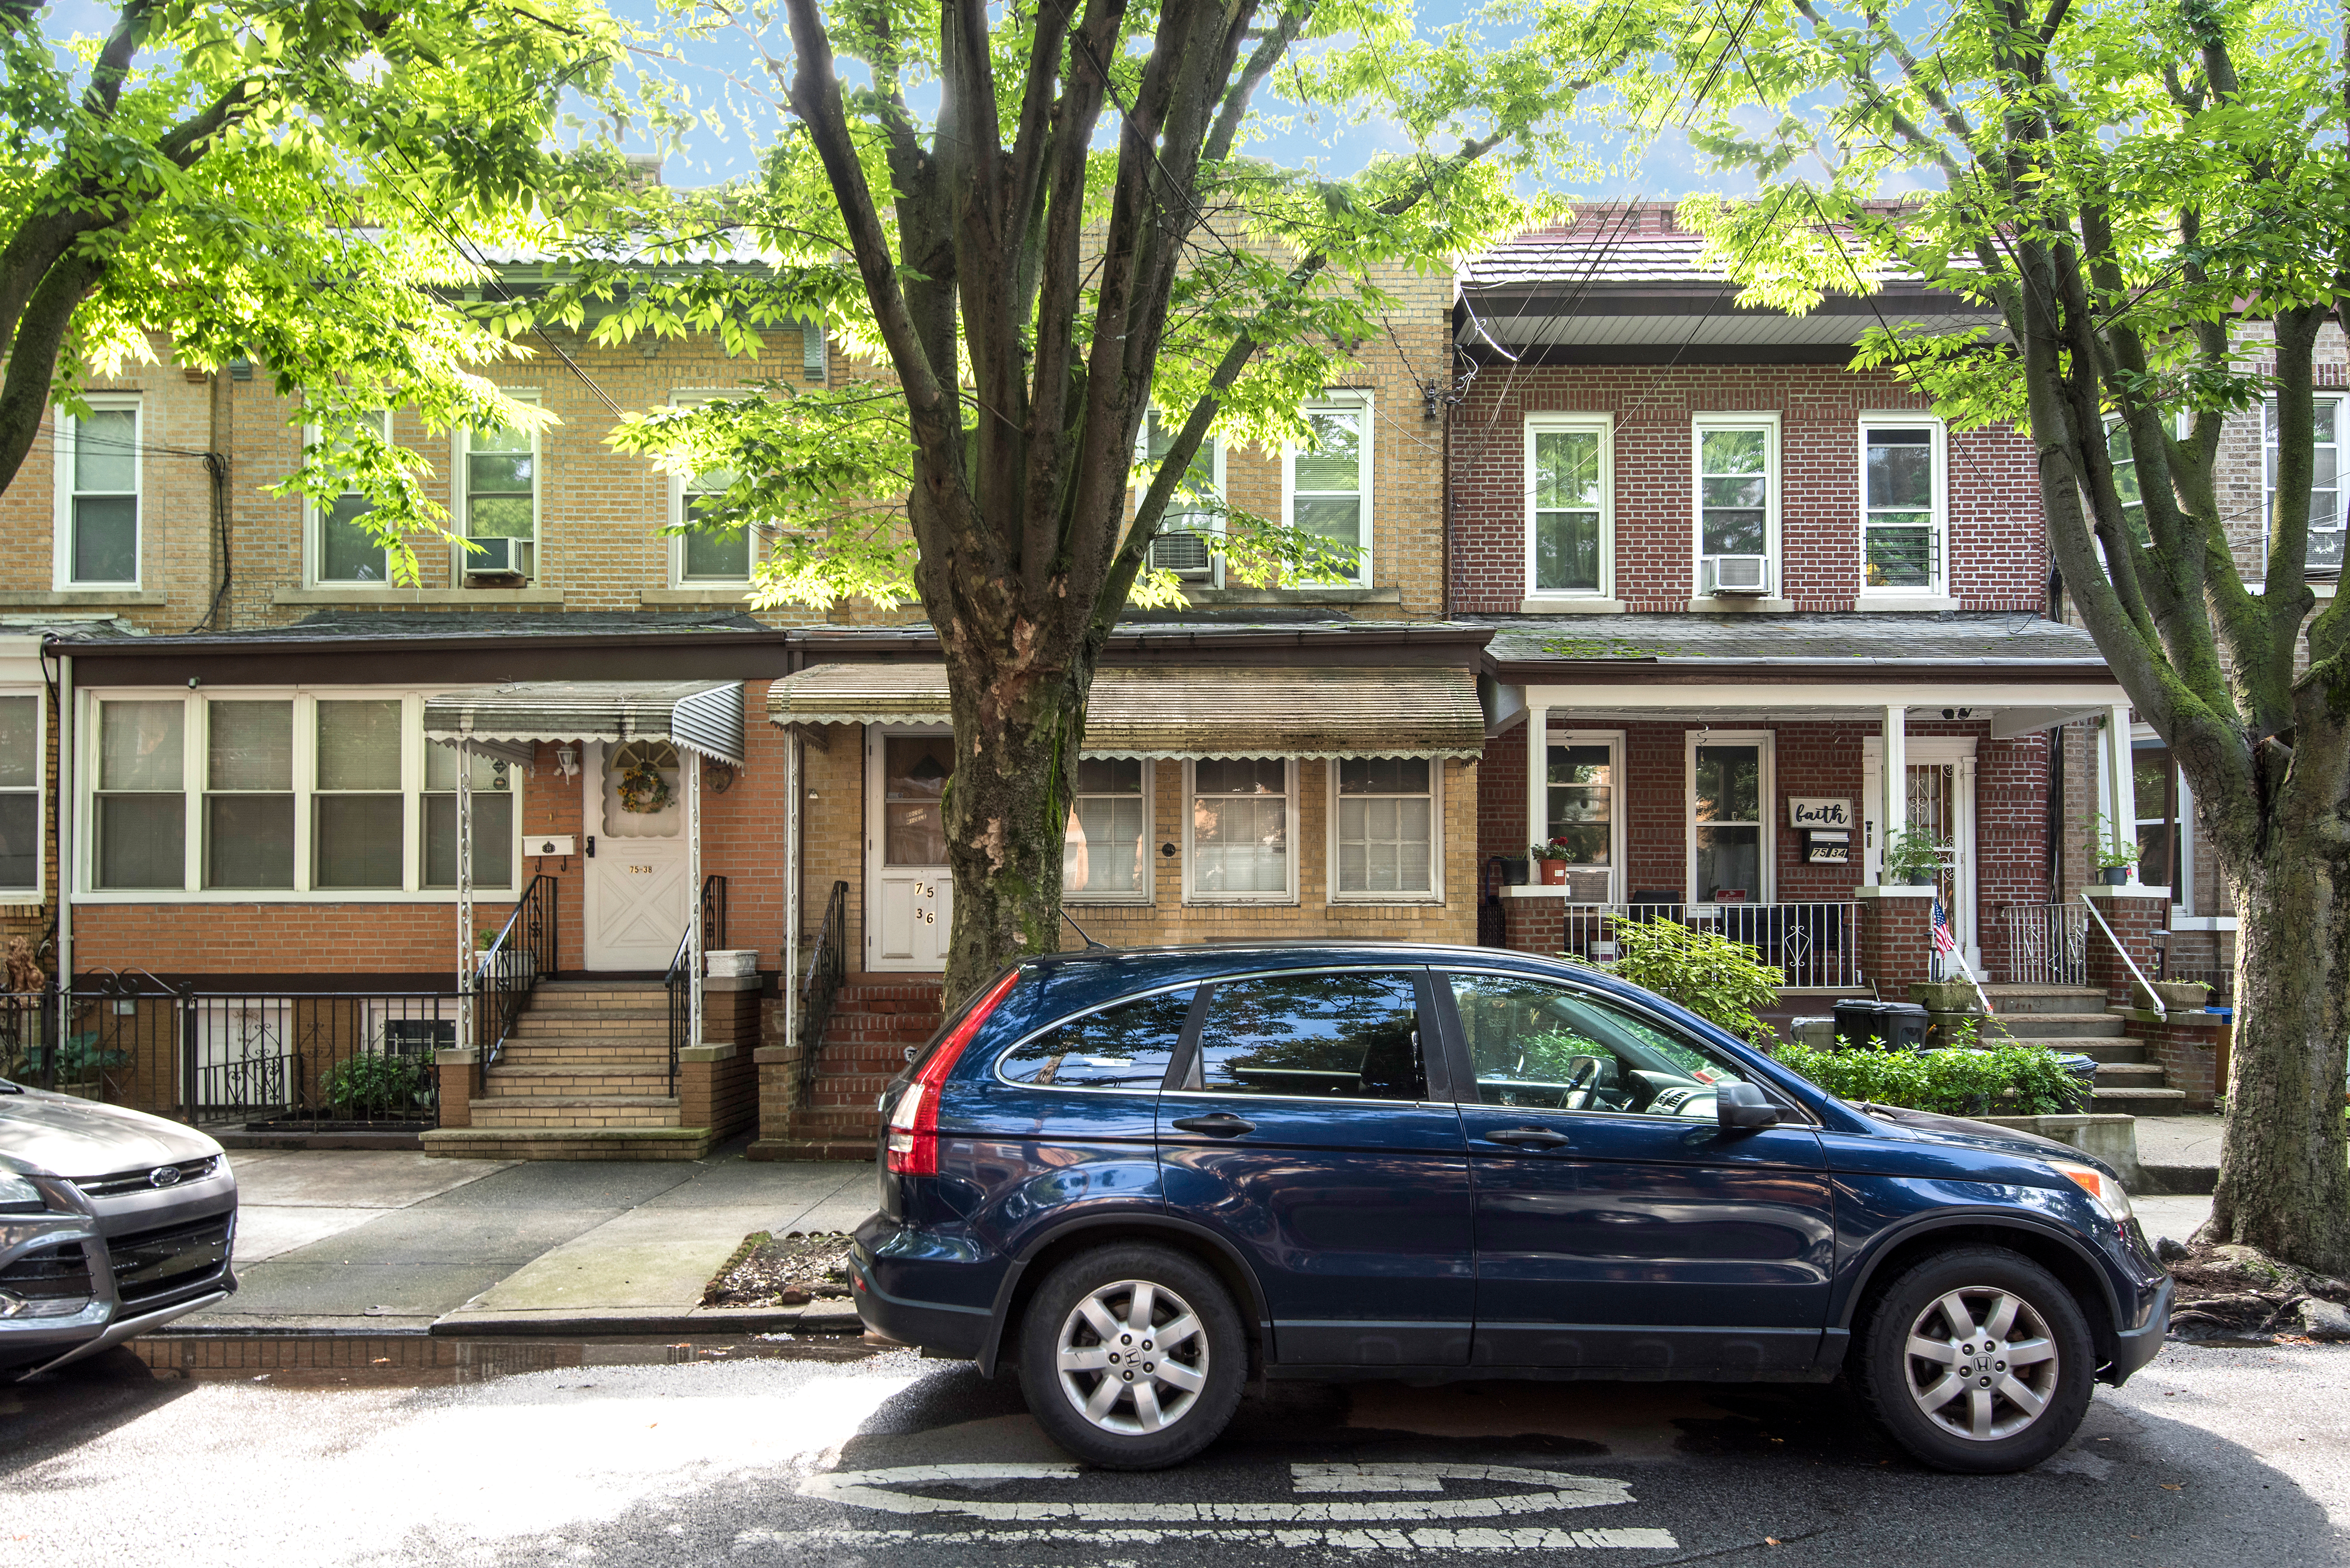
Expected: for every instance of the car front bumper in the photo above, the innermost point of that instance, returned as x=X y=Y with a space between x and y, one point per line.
x=2134 y=1347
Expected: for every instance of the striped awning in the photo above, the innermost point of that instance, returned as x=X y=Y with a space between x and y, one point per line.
x=1189 y=710
x=704 y=716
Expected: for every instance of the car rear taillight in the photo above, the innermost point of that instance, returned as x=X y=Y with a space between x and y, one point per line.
x=913 y=1133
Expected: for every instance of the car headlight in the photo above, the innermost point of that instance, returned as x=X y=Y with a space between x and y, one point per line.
x=2109 y=1194
x=19 y=1196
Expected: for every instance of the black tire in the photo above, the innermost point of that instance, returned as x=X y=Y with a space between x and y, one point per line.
x=1213 y=1354
x=1991 y=1399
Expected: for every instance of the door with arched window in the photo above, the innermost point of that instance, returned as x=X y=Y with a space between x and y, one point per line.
x=637 y=895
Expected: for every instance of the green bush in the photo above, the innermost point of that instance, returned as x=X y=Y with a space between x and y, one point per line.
x=2003 y=1080
x=1721 y=980
x=373 y=1085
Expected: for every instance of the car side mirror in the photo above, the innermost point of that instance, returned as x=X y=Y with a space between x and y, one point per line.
x=1741 y=1106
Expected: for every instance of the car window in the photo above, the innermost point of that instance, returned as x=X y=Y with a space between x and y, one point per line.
x=1543 y=1045
x=1126 y=1046
x=1353 y=1034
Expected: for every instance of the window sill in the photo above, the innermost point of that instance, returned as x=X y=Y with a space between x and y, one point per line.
x=1911 y=603
x=75 y=598
x=1376 y=901
x=1337 y=594
x=356 y=594
x=281 y=897
x=1210 y=901
x=1734 y=604
x=707 y=594
x=2202 y=922
x=1082 y=902
x=1561 y=604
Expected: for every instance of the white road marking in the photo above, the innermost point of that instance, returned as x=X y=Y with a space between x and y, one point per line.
x=1393 y=1523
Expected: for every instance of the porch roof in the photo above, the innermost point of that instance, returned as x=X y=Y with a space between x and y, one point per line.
x=704 y=716
x=1189 y=710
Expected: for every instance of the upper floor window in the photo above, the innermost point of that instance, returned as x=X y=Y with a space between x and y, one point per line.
x=343 y=549
x=1737 y=458
x=100 y=503
x=1190 y=526
x=1327 y=482
x=2327 y=513
x=500 y=472
x=1569 y=523
x=1902 y=507
x=711 y=555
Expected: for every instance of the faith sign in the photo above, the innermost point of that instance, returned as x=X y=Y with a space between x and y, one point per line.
x=1818 y=811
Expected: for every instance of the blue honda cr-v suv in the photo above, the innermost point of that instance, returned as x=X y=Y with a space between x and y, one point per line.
x=1144 y=1177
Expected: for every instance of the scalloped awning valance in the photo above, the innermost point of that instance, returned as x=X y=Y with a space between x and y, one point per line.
x=704 y=716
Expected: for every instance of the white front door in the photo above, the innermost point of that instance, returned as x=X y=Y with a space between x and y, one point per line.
x=637 y=896
x=1940 y=804
x=909 y=894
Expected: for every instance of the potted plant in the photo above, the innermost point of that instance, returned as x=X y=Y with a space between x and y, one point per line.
x=1549 y=863
x=2112 y=852
x=2180 y=995
x=1912 y=858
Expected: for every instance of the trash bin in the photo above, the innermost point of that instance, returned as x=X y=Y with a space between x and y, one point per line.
x=1905 y=1024
x=1860 y=1022
x=2083 y=1072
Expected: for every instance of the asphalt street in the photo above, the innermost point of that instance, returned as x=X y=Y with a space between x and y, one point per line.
x=2237 y=1456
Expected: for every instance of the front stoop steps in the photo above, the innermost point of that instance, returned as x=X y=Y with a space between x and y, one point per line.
x=2075 y=1019
x=584 y=1075
x=875 y=1021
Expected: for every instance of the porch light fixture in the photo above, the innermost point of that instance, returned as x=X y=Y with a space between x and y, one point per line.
x=567 y=761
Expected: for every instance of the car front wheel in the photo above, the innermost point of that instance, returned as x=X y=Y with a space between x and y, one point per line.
x=1975 y=1360
x=1132 y=1357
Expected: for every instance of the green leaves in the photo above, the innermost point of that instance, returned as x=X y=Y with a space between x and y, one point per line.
x=1721 y=980
x=1962 y=1081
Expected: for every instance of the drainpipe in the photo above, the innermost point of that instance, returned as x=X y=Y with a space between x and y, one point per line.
x=791 y=884
x=61 y=818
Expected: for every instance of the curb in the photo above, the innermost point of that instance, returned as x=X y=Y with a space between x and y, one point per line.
x=592 y=1322
x=2179 y=1180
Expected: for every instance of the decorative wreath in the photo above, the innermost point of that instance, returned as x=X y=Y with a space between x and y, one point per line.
x=642 y=788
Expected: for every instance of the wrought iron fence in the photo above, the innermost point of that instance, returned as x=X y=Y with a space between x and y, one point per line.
x=681 y=979
x=1814 y=943
x=522 y=954
x=2048 y=944
x=827 y=967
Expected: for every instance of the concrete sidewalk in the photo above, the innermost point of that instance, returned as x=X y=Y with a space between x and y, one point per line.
x=383 y=1240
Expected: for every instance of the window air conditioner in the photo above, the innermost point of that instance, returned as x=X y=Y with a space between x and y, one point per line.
x=1187 y=555
x=1735 y=575
x=500 y=557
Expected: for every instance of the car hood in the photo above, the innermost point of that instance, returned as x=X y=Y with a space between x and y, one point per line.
x=58 y=1135
x=1928 y=1128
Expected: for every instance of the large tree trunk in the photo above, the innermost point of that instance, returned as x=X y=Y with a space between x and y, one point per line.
x=1007 y=803
x=2285 y=1185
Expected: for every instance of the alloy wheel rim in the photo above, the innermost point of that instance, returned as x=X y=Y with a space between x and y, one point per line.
x=1132 y=1357
x=1980 y=1362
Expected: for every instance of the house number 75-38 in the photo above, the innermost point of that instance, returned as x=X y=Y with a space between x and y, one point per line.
x=641 y=870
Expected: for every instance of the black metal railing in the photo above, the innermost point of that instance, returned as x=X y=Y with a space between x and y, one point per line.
x=266 y=1058
x=522 y=954
x=827 y=967
x=679 y=981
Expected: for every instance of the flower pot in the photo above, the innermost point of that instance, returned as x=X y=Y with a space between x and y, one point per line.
x=1554 y=873
x=1920 y=880
x=2179 y=995
x=2113 y=876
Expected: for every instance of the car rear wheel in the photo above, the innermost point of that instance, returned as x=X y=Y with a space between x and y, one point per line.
x=1132 y=1357
x=1975 y=1360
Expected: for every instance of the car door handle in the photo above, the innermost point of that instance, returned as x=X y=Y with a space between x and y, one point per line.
x=1223 y=1123
x=1527 y=1138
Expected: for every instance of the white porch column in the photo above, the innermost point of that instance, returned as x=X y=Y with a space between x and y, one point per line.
x=468 y=968
x=2121 y=793
x=791 y=887
x=1537 y=775
x=694 y=937
x=1893 y=809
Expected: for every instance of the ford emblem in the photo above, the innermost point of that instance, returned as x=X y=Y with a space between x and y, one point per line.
x=163 y=1175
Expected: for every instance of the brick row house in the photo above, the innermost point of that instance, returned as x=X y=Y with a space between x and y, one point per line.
x=603 y=863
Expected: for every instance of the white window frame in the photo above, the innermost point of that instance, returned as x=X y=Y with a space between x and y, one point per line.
x=314 y=537
x=1215 y=521
x=1765 y=801
x=760 y=538
x=1775 y=477
x=1617 y=804
x=1938 y=443
x=2341 y=480
x=39 y=790
x=1359 y=404
x=194 y=730
x=1148 y=893
x=1604 y=426
x=1435 y=893
x=460 y=484
x=1191 y=894
x=69 y=432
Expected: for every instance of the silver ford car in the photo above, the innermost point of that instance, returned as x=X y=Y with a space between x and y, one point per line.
x=112 y=1223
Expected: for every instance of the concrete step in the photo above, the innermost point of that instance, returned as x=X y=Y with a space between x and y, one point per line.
x=2056 y=1026
x=2010 y=998
x=2136 y=1102
x=627 y=1143
x=2099 y=1051
x=575 y=1111
x=647 y=1024
x=2131 y=1075
x=508 y=1080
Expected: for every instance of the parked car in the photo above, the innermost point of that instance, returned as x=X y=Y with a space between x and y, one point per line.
x=1143 y=1178
x=112 y=1223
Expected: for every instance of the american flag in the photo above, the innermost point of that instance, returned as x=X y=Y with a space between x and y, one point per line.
x=1944 y=942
